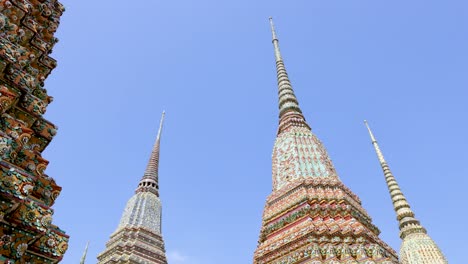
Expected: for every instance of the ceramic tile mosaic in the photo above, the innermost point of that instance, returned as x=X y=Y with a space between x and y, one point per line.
x=27 y=29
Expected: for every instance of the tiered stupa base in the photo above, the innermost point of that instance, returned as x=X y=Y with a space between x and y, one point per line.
x=319 y=220
x=134 y=246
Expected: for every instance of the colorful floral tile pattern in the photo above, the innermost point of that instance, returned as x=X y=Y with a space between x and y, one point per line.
x=27 y=234
x=420 y=248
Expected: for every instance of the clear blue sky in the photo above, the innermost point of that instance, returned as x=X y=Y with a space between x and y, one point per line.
x=400 y=64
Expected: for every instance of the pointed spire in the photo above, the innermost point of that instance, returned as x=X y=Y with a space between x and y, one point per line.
x=275 y=40
x=290 y=113
x=408 y=224
x=83 y=258
x=149 y=182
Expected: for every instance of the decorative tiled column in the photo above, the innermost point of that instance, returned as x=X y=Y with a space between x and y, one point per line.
x=27 y=235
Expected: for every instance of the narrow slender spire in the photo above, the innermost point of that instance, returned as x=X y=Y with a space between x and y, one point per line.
x=290 y=113
x=149 y=182
x=408 y=224
x=83 y=258
x=275 y=41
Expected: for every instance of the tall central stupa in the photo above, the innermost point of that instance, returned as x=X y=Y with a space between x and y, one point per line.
x=311 y=216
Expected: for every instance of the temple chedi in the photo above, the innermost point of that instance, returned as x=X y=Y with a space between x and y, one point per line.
x=27 y=235
x=138 y=237
x=417 y=247
x=311 y=216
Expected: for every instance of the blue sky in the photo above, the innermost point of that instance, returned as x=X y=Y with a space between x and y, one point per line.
x=401 y=65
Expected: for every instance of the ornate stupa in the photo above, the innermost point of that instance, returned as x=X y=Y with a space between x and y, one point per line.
x=27 y=193
x=138 y=237
x=311 y=216
x=416 y=247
